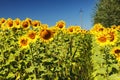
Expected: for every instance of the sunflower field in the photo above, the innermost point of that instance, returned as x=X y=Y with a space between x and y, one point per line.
x=31 y=50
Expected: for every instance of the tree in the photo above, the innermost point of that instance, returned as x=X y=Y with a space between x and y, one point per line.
x=107 y=12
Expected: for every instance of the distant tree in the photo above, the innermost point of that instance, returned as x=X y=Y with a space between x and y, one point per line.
x=107 y=12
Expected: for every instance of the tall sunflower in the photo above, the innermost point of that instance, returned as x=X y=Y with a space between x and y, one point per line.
x=116 y=52
x=83 y=31
x=43 y=26
x=113 y=26
x=25 y=24
x=24 y=42
x=2 y=20
x=97 y=28
x=36 y=23
x=32 y=36
x=112 y=36
x=71 y=30
x=2 y=23
x=46 y=35
x=60 y=24
x=9 y=23
x=118 y=28
x=29 y=20
x=101 y=39
x=17 y=23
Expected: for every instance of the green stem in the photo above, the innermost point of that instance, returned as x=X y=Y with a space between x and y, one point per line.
x=33 y=64
x=106 y=59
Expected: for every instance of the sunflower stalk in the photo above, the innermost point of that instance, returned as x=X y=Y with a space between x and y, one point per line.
x=32 y=52
x=107 y=62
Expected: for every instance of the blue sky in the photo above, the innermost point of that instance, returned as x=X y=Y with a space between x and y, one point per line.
x=50 y=11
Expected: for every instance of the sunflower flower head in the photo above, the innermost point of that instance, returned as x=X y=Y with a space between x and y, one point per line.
x=9 y=23
x=60 y=24
x=54 y=30
x=112 y=36
x=116 y=52
x=44 y=26
x=25 y=24
x=71 y=30
x=46 y=35
x=97 y=28
x=2 y=20
x=29 y=20
x=118 y=28
x=83 y=31
x=36 y=24
x=17 y=23
x=101 y=39
x=113 y=26
x=32 y=36
x=24 y=42
x=2 y=23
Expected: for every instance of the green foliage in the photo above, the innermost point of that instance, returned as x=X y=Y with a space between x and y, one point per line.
x=67 y=57
x=107 y=12
x=105 y=66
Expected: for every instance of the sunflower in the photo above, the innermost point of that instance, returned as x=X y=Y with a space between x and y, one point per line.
x=116 y=52
x=46 y=35
x=101 y=39
x=17 y=23
x=2 y=20
x=44 y=26
x=71 y=30
x=32 y=36
x=54 y=30
x=60 y=24
x=2 y=23
x=83 y=31
x=113 y=26
x=97 y=28
x=24 y=42
x=77 y=29
x=29 y=20
x=118 y=28
x=35 y=23
x=112 y=36
x=9 y=23
x=25 y=24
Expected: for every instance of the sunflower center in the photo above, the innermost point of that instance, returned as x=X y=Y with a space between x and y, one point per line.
x=23 y=42
x=101 y=29
x=117 y=51
x=71 y=29
x=17 y=22
x=102 y=39
x=10 y=24
x=35 y=24
x=61 y=26
x=46 y=34
x=111 y=37
x=32 y=36
x=3 y=20
x=25 y=24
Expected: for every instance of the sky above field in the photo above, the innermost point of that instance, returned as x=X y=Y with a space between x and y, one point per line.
x=73 y=12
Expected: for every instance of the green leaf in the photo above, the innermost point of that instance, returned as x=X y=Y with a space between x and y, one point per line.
x=11 y=58
x=41 y=68
x=99 y=71
x=116 y=66
x=28 y=70
x=99 y=77
x=11 y=75
x=47 y=60
x=114 y=77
